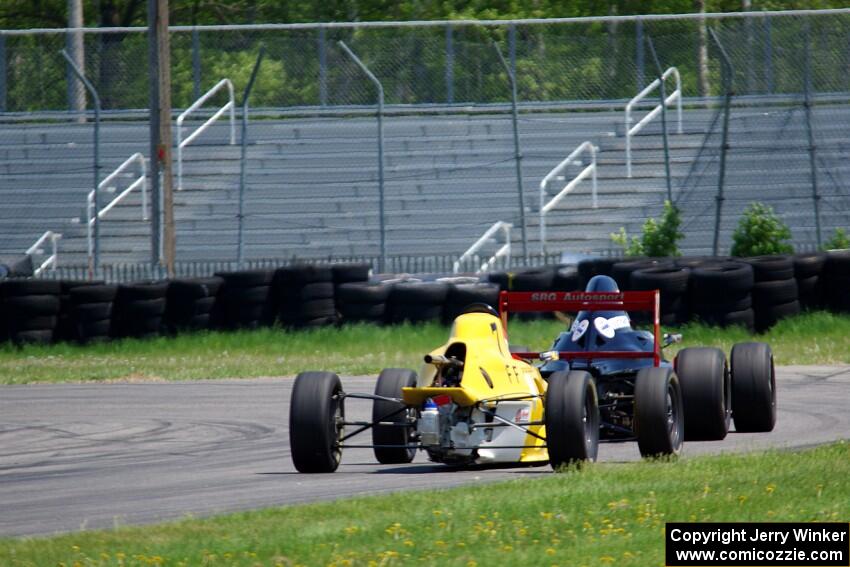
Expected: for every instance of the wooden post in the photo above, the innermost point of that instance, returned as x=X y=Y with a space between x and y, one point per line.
x=160 y=135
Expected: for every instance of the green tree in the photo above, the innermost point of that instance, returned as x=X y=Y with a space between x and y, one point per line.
x=761 y=232
x=660 y=237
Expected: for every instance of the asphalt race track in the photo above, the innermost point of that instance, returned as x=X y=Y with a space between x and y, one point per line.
x=85 y=456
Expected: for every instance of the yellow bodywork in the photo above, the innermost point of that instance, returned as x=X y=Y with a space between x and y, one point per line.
x=487 y=356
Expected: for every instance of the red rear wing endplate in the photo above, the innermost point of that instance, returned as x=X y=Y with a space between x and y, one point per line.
x=575 y=301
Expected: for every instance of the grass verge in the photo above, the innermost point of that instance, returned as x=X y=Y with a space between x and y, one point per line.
x=812 y=338
x=602 y=514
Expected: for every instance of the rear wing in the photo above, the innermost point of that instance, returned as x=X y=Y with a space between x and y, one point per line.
x=575 y=301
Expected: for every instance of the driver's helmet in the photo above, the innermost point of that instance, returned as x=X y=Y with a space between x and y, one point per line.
x=603 y=324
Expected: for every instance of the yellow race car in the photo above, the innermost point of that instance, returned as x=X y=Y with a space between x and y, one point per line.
x=473 y=402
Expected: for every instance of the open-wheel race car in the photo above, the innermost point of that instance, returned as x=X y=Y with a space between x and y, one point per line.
x=476 y=402
x=638 y=394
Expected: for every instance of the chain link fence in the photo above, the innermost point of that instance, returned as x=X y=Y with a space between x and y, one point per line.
x=314 y=162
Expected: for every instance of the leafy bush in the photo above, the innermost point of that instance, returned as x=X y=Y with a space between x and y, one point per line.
x=839 y=240
x=659 y=237
x=760 y=232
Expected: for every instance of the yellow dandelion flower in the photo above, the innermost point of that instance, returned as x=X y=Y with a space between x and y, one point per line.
x=550 y=551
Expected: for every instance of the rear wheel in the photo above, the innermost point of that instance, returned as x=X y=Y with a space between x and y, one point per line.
x=658 y=412
x=753 y=387
x=316 y=414
x=399 y=431
x=572 y=418
x=706 y=393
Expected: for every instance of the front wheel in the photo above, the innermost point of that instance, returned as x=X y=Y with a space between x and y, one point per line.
x=316 y=416
x=753 y=388
x=393 y=432
x=658 y=412
x=572 y=418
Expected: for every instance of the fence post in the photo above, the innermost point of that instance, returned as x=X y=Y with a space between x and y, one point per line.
x=196 y=64
x=94 y=251
x=768 y=55
x=517 y=151
x=323 y=68
x=2 y=73
x=243 y=158
x=728 y=78
x=450 y=65
x=639 y=54
x=662 y=89
x=807 y=104
x=380 y=88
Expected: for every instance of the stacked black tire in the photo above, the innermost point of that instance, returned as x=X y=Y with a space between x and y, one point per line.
x=672 y=282
x=836 y=275
x=594 y=267
x=721 y=294
x=303 y=296
x=416 y=302
x=774 y=290
x=91 y=312
x=808 y=271
x=30 y=310
x=190 y=304
x=363 y=302
x=65 y=330
x=461 y=296
x=138 y=310
x=243 y=299
x=622 y=271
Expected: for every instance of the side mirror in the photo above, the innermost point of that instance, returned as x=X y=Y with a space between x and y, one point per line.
x=671 y=338
x=549 y=356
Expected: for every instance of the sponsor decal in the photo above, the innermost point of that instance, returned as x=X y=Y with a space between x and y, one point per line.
x=579 y=329
x=522 y=414
x=576 y=296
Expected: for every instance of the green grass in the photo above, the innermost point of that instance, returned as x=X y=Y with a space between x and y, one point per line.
x=600 y=514
x=813 y=338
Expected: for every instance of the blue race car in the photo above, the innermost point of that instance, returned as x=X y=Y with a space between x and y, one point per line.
x=608 y=381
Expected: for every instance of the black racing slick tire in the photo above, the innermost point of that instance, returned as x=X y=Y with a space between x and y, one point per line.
x=315 y=416
x=753 y=388
x=706 y=393
x=659 y=417
x=572 y=418
x=395 y=441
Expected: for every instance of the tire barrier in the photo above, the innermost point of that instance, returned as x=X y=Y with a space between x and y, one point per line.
x=753 y=292
x=774 y=289
x=672 y=282
x=721 y=294
x=30 y=310
x=622 y=271
x=808 y=271
x=242 y=301
x=303 y=296
x=836 y=273
x=138 y=310
x=91 y=312
x=65 y=329
x=566 y=278
x=594 y=267
x=462 y=295
x=416 y=302
x=348 y=273
x=190 y=303
x=362 y=301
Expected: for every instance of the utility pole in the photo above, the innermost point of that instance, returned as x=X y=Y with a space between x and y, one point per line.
x=160 y=134
x=76 y=48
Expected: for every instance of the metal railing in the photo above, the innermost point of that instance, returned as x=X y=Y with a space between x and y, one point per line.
x=36 y=248
x=181 y=143
x=503 y=252
x=557 y=174
x=675 y=96
x=140 y=181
